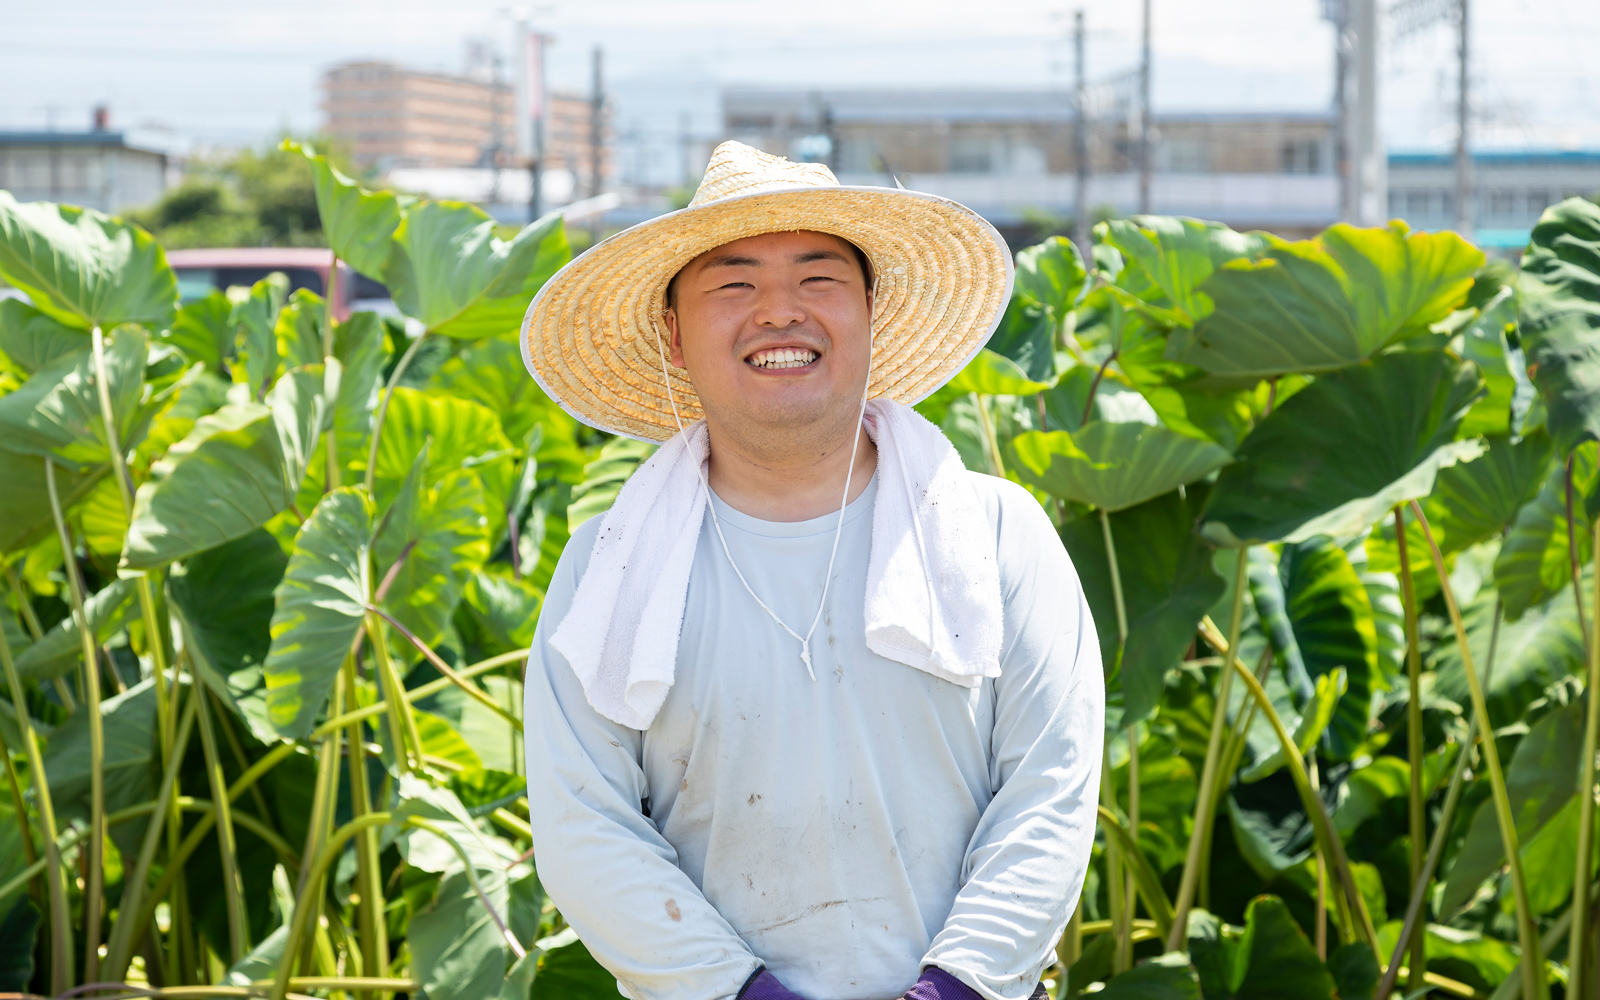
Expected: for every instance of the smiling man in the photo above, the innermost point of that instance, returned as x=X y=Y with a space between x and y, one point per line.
x=812 y=710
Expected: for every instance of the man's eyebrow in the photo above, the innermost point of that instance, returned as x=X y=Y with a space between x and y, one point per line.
x=810 y=256
x=731 y=260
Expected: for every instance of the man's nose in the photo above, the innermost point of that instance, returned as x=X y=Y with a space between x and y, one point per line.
x=776 y=308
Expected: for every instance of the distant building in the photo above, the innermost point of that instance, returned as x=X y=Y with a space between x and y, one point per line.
x=1009 y=154
x=100 y=168
x=393 y=117
x=1510 y=189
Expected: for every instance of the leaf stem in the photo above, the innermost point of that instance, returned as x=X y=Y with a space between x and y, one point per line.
x=374 y=932
x=55 y=876
x=1125 y=925
x=94 y=887
x=1205 y=801
x=402 y=723
x=227 y=841
x=1115 y=884
x=323 y=802
x=1417 y=801
x=1573 y=561
x=333 y=478
x=1527 y=934
x=1577 y=950
x=991 y=443
x=383 y=408
x=444 y=668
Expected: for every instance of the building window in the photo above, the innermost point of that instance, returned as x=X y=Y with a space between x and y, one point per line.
x=1417 y=203
x=1301 y=157
x=1538 y=200
x=971 y=156
x=1502 y=202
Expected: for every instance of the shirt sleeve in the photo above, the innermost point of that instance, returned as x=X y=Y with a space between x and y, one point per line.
x=614 y=877
x=1027 y=859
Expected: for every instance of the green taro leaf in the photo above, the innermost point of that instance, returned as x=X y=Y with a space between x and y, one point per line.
x=298 y=328
x=568 y=972
x=18 y=930
x=225 y=598
x=1050 y=278
x=129 y=760
x=318 y=609
x=464 y=435
x=25 y=497
x=237 y=469
x=1471 y=502
x=991 y=374
x=358 y=223
x=448 y=269
x=1330 y=611
x=1114 y=465
x=360 y=348
x=1323 y=304
x=1540 y=780
x=439 y=535
x=57 y=410
x=255 y=318
x=457 y=950
x=490 y=372
x=1278 y=962
x=203 y=331
x=603 y=478
x=1338 y=454
x=1051 y=273
x=1535 y=560
x=503 y=609
x=1560 y=318
x=1166 y=977
x=1168 y=585
x=1485 y=342
x=1466 y=956
x=1177 y=255
x=85 y=268
x=1313 y=722
x=1531 y=653
x=30 y=340
x=61 y=650
x=1026 y=337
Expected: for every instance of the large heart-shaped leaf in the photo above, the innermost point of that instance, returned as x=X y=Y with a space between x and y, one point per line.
x=224 y=597
x=567 y=971
x=1540 y=780
x=1318 y=712
x=448 y=269
x=439 y=536
x=1114 y=466
x=1330 y=614
x=128 y=760
x=1168 y=584
x=1327 y=303
x=60 y=650
x=1339 y=453
x=457 y=950
x=1490 y=342
x=490 y=372
x=1165 y=977
x=360 y=347
x=1560 y=318
x=464 y=435
x=83 y=267
x=1191 y=402
x=203 y=331
x=25 y=497
x=991 y=374
x=1050 y=277
x=358 y=223
x=239 y=468
x=318 y=609
x=30 y=340
x=1471 y=502
x=255 y=318
x=603 y=478
x=57 y=410
x=1176 y=256
x=1275 y=959
x=1535 y=560
x=1531 y=653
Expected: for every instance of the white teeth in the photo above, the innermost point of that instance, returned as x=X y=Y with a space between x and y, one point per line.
x=784 y=357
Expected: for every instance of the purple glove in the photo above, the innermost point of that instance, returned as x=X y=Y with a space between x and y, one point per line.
x=763 y=985
x=937 y=984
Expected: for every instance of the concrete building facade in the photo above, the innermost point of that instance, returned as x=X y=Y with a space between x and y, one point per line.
x=1510 y=189
x=99 y=169
x=390 y=116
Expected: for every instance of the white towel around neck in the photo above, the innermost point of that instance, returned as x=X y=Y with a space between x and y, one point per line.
x=933 y=588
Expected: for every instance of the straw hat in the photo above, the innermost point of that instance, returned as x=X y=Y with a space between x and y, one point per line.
x=944 y=277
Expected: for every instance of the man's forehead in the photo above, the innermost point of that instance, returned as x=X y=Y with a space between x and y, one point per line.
x=797 y=246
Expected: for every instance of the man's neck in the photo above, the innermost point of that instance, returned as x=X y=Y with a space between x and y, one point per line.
x=789 y=485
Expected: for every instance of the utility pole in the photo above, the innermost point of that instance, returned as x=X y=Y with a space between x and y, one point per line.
x=1080 y=139
x=1337 y=12
x=1370 y=181
x=1464 y=199
x=528 y=48
x=684 y=140
x=597 y=117
x=1144 y=117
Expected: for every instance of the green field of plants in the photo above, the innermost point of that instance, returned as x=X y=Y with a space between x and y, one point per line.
x=269 y=580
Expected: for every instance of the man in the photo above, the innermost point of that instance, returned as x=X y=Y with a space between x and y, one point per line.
x=811 y=710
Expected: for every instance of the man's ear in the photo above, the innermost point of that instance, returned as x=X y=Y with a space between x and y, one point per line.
x=674 y=340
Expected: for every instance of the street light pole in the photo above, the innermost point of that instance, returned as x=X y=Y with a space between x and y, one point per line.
x=1144 y=118
x=1080 y=140
x=1464 y=199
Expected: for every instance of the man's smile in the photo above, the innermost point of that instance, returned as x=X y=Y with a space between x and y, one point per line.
x=782 y=357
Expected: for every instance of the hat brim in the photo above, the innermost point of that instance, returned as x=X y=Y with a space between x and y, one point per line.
x=590 y=335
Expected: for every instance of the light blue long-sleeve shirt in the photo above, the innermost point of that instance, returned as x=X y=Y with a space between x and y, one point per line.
x=843 y=832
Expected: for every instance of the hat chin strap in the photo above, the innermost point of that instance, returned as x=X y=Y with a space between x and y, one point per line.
x=844 y=501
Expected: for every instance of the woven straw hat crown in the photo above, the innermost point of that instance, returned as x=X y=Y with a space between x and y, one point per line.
x=593 y=336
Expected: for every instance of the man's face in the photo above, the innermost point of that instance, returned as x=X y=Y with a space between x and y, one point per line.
x=774 y=331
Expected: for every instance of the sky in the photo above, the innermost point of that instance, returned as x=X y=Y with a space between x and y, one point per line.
x=220 y=72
